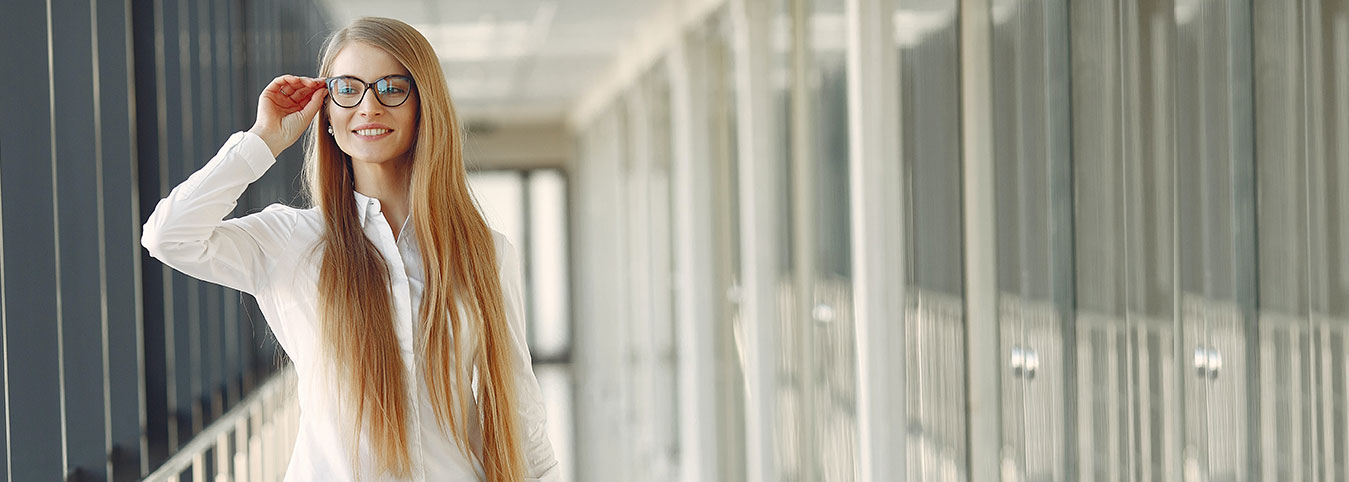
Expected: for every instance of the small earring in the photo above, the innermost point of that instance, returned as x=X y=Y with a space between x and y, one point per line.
x=330 y=130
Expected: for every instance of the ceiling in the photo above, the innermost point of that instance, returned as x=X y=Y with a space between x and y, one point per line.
x=515 y=61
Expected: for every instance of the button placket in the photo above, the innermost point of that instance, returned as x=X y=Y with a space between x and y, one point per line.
x=401 y=244
x=403 y=298
x=404 y=293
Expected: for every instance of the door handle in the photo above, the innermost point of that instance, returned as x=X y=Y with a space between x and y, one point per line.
x=1024 y=362
x=1032 y=363
x=1208 y=361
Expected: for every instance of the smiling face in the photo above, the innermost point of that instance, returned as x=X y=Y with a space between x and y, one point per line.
x=371 y=132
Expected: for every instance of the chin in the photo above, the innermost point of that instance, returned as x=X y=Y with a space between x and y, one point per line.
x=379 y=157
x=373 y=158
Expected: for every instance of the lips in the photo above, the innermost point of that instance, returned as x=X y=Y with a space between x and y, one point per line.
x=372 y=132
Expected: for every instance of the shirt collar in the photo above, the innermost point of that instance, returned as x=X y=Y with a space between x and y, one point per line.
x=364 y=206
x=367 y=206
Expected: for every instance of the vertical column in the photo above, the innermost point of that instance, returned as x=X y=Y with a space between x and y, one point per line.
x=758 y=174
x=690 y=177
x=878 y=244
x=980 y=252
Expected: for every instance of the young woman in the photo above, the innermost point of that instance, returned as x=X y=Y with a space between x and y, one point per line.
x=401 y=310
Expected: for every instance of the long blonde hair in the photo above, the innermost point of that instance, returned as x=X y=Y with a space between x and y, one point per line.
x=461 y=268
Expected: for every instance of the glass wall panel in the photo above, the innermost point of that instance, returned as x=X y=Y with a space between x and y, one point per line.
x=714 y=65
x=550 y=333
x=1330 y=214
x=1302 y=161
x=600 y=293
x=1216 y=258
x=1034 y=237
x=500 y=197
x=654 y=92
x=1285 y=357
x=786 y=433
x=1124 y=228
x=824 y=249
x=927 y=43
x=555 y=382
x=529 y=208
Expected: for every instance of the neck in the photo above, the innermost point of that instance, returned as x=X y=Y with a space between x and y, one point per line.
x=386 y=181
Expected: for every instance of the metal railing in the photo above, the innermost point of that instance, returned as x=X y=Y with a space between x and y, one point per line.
x=250 y=443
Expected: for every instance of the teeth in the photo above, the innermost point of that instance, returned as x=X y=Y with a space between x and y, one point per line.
x=372 y=132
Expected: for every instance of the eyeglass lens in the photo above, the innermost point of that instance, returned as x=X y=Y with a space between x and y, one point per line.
x=391 y=91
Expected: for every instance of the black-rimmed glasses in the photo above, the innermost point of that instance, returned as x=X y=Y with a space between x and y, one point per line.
x=390 y=90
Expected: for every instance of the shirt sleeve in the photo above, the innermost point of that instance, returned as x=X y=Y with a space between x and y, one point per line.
x=187 y=230
x=540 y=463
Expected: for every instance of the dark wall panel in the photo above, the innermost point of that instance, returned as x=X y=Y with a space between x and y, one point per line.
x=27 y=217
x=112 y=361
x=121 y=222
x=178 y=159
x=203 y=63
x=78 y=167
x=152 y=182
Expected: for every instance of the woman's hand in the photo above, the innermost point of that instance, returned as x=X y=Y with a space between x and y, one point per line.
x=285 y=109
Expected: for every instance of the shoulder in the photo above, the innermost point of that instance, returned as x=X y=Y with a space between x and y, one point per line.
x=276 y=217
x=504 y=247
x=285 y=216
x=502 y=242
x=282 y=210
x=281 y=226
x=279 y=210
x=507 y=256
x=304 y=215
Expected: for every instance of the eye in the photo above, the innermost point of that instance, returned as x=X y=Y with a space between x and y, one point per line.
x=386 y=87
x=344 y=87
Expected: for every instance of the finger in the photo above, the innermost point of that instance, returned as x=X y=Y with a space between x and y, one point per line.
x=315 y=101
x=301 y=88
x=287 y=84
x=279 y=93
x=301 y=95
x=292 y=92
x=300 y=81
x=291 y=85
x=275 y=85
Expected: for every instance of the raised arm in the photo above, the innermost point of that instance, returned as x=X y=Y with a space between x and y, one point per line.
x=187 y=230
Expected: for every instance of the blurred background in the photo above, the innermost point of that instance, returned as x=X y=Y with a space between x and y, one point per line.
x=764 y=240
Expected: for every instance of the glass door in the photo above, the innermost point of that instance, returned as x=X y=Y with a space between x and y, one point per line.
x=1034 y=222
x=1216 y=250
x=927 y=40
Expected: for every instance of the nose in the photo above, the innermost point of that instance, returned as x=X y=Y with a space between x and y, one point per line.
x=370 y=105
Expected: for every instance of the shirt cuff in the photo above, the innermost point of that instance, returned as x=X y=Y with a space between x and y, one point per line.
x=254 y=151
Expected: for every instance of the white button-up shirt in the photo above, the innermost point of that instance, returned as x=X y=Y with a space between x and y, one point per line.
x=272 y=255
